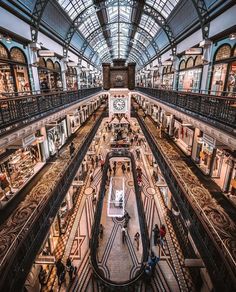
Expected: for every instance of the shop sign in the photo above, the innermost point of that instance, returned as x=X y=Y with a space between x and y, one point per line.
x=28 y=140
x=46 y=53
x=78 y=183
x=209 y=140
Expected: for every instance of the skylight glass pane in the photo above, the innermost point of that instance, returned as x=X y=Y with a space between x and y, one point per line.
x=163 y=6
x=149 y=24
x=74 y=7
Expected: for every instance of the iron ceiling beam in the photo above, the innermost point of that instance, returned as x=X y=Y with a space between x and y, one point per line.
x=37 y=14
x=203 y=16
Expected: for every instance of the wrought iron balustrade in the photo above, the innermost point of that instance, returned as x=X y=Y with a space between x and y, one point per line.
x=217 y=110
x=216 y=256
x=18 y=111
x=24 y=246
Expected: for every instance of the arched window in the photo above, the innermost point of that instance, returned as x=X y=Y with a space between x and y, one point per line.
x=50 y=64
x=198 y=60
x=189 y=63
x=164 y=70
x=182 y=65
x=3 y=52
x=42 y=62
x=17 y=55
x=234 y=54
x=57 y=67
x=224 y=52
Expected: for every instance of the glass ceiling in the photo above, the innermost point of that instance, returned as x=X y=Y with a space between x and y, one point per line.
x=121 y=33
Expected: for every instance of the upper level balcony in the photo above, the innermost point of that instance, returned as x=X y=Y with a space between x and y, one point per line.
x=218 y=111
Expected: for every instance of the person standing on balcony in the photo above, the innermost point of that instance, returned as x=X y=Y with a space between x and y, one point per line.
x=44 y=86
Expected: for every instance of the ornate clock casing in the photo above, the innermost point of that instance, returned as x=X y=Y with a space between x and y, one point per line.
x=119 y=104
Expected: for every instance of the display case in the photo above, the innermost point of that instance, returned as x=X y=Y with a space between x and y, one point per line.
x=22 y=168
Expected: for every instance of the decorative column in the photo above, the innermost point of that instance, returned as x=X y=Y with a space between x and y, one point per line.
x=106 y=76
x=33 y=64
x=207 y=66
x=176 y=72
x=63 y=73
x=228 y=175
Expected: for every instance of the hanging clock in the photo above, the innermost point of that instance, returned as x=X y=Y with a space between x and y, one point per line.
x=119 y=104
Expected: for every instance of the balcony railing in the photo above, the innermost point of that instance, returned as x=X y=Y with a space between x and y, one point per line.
x=14 y=112
x=217 y=110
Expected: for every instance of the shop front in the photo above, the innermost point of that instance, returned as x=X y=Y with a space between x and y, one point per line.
x=224 y=71
x=168 y=77
x=156 y=79
x=190 y=72
x=71 y=78
x=183 y=135
x=49 y=75
x=56 y=135
x=45 y=260
x=74 y=121
x=214 y=160
x=14 y=75
x=17 y=169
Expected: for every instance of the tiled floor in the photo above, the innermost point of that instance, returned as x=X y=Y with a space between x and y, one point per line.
x=118 y=260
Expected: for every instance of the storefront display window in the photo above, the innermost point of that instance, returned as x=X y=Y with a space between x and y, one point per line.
x=190 y=75
x=231 y=83
x=183 y=136
x=168 y=77
x=49 y=75
x=219 y=77
x=13 y=72
x=57 y=135
x=71 y=79
x=205 y=158
x=17 y=169
x=223 y=80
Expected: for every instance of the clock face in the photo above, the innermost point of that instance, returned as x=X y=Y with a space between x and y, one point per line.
x=119 y=104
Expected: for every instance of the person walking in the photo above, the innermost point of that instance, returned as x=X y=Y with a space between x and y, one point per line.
x=124 y=234
x=136 y=239
x=156 y=234
x=153 y=261
x=123 y=168
x=94 y=197
x=72 y=149
x=102 y=164
x=91 y=176
x=114 y=170
x=162 y=234
x=101 y=230
x=138 y=153
x=60 y=271
x=96 y=160
x=69 y=268
x=92 y=162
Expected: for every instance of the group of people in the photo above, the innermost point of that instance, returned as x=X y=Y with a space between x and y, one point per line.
x=150 y=265
x=139 y=176
x=61 y=270
x=159 y=235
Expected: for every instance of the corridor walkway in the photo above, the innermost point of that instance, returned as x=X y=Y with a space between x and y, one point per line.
x=222 y=227
x=21 y=218
x=170 y=275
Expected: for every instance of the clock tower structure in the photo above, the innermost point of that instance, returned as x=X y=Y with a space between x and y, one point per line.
x=119 y=102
